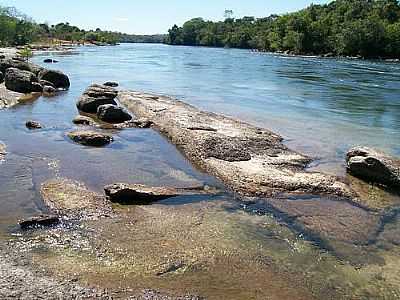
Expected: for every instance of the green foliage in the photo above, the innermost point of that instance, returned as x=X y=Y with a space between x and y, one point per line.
x=17 y=29
x=25 y=53
x=368 y=28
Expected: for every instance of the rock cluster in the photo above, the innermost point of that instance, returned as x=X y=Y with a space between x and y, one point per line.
x=113 y=114
x=25 y=77
x=95 y=96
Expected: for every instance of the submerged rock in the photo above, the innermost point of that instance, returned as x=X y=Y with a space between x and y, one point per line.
x=50 y=61
x=82 y=120
x=95 y=96
x=138 y=194
x=21 y=81
x=33 y=125
x=374 y=166
x=90 y=138
x=111 y=83
x=40 y=221
x=112 y=114
x=57 y=78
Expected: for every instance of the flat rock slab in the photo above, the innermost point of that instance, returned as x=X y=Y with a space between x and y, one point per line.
x=90 y=138
x=138 y=194
x=374 y=166
x=65 y=196
x=251 y=160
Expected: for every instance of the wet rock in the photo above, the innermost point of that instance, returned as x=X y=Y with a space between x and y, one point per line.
x=374 y=166
x=57 y=78
x=49 y=90
x=21 y=81
x=112 y=114
x=33 y=124
x=82 y=120
x=46 y=83
x=90 y=138
x=138 y=194
x=95 y=96
x=111 y=83
x=50 y=61
x=40 y=221
x=69 y=197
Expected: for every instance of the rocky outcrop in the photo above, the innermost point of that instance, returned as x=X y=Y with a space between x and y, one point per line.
x=138 y=194
x=57 y=78
x=8 y=63
x=95 y=96
x=90 y=138
x=374 y=166
x=250 y=160
x=112 y=114
x=33 y=125
x=22 y=81
x=82 y=120
x=38 y=222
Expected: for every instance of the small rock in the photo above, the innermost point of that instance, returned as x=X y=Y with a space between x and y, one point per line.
x=90 y=138
x=111 y=83
x=82 y=120
x=112 y=114
x=46 y=83
x=57 y=78
x=50 y=61
x=33 y=125
x=374 y=166
x=40 y=221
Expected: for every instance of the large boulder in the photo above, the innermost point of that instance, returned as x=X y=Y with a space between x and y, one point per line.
x=57 y=78
x=21 y=81
x=112 y=114
x=374 y=166
x=95 y=96
x=7 y=63
x=90 y=138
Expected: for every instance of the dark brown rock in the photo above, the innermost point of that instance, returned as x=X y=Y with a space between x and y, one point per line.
x=374 y=166
x=21 y=81
x=90 y=138
x=95 y=96
x=33 y=124
x=57 y=78
x=111 y=84
x=112 y=114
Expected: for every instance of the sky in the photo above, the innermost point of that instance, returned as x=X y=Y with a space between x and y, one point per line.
x=147 y=16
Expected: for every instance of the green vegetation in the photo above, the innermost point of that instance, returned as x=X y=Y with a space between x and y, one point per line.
x=17 y=29
x=26 y=53
x=367 y=28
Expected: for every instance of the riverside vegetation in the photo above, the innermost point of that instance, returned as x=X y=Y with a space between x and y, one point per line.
x=366 y=28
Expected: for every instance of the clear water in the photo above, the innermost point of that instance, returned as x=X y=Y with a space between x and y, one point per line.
x=321 y=106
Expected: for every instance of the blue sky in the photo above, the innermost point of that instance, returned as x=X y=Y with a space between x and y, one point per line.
x=149 y=16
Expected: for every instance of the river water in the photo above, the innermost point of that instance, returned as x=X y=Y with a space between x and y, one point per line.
x=320 y=106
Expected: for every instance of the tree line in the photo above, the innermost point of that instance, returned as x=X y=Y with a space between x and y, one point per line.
x=366 y=28
x=17 y=29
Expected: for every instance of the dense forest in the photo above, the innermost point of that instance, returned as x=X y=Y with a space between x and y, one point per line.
x=17 y=29
x=366 y=28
